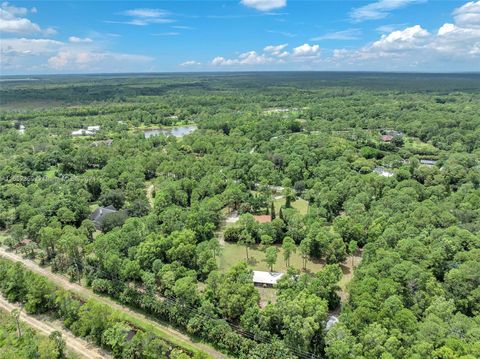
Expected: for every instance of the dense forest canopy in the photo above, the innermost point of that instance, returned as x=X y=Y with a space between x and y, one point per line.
x=322 y=176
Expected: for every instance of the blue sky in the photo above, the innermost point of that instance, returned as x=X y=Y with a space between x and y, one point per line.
x=239 y=35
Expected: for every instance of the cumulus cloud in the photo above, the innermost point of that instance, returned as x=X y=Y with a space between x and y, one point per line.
x=468 y=15
x=379 y=9
x=246 y=58
x=409 y=38
x=79 y=40
x=276 y=50
x=272 y=55
x=306 y=50
x=455 y=44
x=12 y=21
x=264 y=5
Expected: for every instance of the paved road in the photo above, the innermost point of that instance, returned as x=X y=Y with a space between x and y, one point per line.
x=74 y=344
x=86 y=293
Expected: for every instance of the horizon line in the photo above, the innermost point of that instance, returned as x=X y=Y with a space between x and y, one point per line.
x=239 y=72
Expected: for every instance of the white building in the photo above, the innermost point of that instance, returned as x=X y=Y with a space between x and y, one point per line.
x=90 y=131
x=429 y=163
x=266 y=278
x=83 y=132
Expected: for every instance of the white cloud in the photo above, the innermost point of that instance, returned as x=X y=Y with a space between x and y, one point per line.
x=190 y=63
x=272 y=55
x=143 y=17
x=409 y=38
x=25 y=55
x=264 y=5
x=146 y=13
x=12 y=22
x=14 y=10
x=468 y=15
x=306 y=50
x=25 y=46
x=379 y=9
x=79 y=40
x=246 y=58
x=453 y=46
x=276 y=50
x=70 y=59
x=350 y=34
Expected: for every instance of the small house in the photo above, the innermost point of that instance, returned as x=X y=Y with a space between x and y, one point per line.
x=83 y=132
x=93 y=128
x=429 y=163
x=266 y=279
x=99 y=214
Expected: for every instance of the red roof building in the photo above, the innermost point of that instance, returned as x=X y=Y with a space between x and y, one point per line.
x=386 y=138
x=266 y=218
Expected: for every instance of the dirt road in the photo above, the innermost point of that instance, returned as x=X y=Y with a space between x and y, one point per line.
x=77 y=345
x=87 y=294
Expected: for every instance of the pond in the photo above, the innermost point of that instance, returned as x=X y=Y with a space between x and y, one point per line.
x=179 y=131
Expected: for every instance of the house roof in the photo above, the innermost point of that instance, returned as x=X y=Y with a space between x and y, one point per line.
x=386 y=138
x=266 y=277
x=100 y=212
x=263 y=218
x=428 y=162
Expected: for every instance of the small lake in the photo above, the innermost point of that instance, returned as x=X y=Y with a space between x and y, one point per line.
x=179 y=131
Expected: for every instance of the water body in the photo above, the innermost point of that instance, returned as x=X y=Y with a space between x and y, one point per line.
x=179 y=131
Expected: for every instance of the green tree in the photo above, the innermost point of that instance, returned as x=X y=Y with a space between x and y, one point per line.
x=246 y=240
x=305 y=249
x=289 y=248
x=271 y=256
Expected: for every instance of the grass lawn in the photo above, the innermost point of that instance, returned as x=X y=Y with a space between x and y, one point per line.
x=300 y=205
x=233 y=254
x=267 y=295
x=416 y=146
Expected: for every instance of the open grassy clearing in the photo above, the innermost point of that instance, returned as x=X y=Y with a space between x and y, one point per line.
x=348 y=271
x=417 y=146
x=233 y=254
x=300 y=205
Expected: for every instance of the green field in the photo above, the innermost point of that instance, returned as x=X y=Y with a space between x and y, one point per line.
x=300 y=205
x=233 y=254
x=416 y=146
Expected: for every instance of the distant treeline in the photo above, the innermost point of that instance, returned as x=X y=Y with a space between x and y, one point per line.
x=82 y=89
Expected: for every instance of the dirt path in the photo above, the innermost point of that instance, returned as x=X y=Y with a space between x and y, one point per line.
x=77 y=345
x=87 y=294
x=150 y=190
